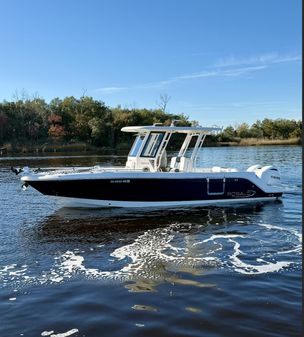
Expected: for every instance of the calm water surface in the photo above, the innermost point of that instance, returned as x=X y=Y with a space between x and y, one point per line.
x=229 y=271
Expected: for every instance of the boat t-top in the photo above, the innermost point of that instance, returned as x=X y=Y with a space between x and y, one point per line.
x=149 y=179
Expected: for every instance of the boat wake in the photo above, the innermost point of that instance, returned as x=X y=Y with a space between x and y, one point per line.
x=158 y=254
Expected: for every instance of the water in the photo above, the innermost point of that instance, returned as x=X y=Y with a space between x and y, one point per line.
x=229 y=271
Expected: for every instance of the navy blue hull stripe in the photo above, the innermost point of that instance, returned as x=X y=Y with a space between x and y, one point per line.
x=152 y=189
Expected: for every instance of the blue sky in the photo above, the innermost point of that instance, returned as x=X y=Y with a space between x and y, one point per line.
x=221 y=62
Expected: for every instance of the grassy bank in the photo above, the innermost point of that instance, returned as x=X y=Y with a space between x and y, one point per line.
x=261 y=142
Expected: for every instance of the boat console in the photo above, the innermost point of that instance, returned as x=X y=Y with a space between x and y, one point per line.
x=148 y=152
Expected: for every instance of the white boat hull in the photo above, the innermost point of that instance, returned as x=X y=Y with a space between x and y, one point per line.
x=93 y=203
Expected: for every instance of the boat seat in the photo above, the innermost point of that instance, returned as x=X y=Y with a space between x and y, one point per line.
x=181 y=164
x=174 y=164
x=186 y=164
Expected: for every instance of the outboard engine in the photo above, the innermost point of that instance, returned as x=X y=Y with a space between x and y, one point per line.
x=269 y=174
x=254 y=168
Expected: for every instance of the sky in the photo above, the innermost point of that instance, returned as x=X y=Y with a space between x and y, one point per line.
x=220 y=62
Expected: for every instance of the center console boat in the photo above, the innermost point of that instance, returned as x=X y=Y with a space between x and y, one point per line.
x=148 y=179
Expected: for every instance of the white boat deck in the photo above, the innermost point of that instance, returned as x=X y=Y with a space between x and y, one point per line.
x=118 y=169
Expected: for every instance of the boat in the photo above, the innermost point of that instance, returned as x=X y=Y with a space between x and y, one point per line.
x=149 y=179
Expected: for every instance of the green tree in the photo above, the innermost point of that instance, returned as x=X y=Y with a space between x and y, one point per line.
x=256 y=129
x=243 y=131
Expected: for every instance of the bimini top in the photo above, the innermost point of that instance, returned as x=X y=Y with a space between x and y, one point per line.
x=172 y=129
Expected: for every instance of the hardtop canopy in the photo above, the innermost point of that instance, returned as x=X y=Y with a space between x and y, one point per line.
x=172 y=129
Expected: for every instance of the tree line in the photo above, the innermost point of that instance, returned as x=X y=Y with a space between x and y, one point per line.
x=277 y=129
x=34 y=121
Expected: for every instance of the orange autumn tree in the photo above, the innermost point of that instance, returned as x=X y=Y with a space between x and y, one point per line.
x=56 y=129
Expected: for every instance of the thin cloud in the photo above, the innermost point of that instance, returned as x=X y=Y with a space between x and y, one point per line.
x=221 y=73
x=264 y=59
x=111 y=90
x=229 y=67
x=204 y=74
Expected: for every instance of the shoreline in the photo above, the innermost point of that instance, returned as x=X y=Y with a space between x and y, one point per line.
x=262 y=142
x=46 y=149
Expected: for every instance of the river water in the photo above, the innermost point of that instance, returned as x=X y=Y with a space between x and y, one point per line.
x=211 y=271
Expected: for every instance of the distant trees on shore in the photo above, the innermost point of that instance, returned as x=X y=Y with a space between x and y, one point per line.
x=265 y=129
x=68 y=120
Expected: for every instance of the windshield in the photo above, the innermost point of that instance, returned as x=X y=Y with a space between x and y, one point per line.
x=136 y=146
x=152 y=145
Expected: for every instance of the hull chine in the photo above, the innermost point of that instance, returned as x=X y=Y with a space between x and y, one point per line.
x=94 y=203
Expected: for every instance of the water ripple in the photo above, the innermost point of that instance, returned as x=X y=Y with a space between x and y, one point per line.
x=155 y=253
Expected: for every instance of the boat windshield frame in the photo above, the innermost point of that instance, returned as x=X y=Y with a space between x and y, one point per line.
x=152 y=145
